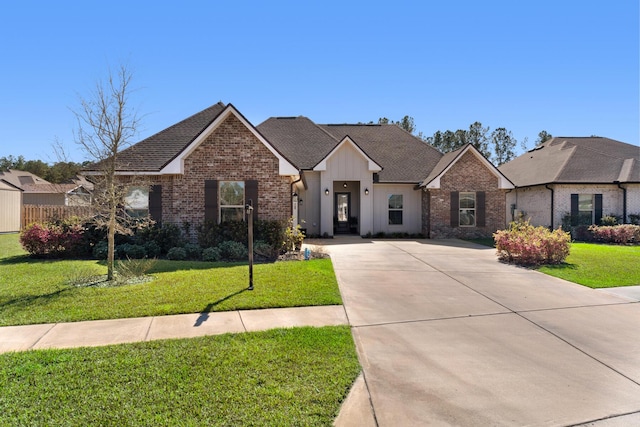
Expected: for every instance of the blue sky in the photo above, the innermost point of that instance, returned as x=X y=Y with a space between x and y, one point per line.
x=569 y=67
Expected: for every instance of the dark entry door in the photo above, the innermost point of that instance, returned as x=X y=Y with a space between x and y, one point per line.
x=342 y=212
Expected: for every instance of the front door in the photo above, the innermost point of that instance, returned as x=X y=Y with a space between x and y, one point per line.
x=342 y=212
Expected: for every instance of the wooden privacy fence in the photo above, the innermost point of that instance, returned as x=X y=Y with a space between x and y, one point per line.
x=42 y=213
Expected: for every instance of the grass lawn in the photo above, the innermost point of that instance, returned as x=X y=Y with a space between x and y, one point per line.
x=594 y=265
x=43 y=291
x=599 y=266
x=280 y=377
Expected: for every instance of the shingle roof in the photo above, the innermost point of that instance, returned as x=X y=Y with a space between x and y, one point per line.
x=299 y=139
x=590 y=160
x=156 y=151
x=19 y=178
x=403 y=157
x=443 y=163
x=50 y=188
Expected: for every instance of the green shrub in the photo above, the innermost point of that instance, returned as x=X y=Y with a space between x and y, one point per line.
x=193 y=251
x=177 y=254
x=100 y=250
x=211 y=254
x=634 y=219
x=233 y=251
x=133 y=251
x=524 y=244
x=166 y=237
x=265 y=251
x=153 y=249
x=211 y=234
x=609 y=220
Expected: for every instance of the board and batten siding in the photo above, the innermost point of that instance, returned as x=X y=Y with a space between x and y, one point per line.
x=346 y=164
x=309 y=209
x=411 y=210
x=10 y=208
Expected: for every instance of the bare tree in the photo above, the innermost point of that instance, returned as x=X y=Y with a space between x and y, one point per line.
x=107 y=125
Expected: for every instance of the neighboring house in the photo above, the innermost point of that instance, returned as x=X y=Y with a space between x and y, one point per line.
x=330 y=178
x=576 y=179
x=10 y=205
x=38 y=191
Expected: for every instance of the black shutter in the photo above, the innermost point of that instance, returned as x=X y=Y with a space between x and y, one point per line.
x=211 y=200
x=597 y=208
x=480 y=209
x=155 y=204
x=574 y=209
x=251 y=195
x=455 y=209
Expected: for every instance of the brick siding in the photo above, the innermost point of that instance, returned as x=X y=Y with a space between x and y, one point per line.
x=467 y=174
x=230 y=153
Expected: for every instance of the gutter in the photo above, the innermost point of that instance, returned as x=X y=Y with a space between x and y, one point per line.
x=552 y=199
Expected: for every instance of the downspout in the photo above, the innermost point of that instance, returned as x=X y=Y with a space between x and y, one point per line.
x=291 y=193
x=552 y=199
x=624 y=202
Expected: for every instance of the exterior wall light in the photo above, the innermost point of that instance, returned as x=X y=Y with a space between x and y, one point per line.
x=344 y=185
x=366 y=191
x=326 y=191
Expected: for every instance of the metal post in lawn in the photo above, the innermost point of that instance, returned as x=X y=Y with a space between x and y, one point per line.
x=249 y=210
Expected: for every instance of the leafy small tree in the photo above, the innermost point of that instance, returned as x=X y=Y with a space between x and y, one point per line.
x=107 y=125
x=543 y=136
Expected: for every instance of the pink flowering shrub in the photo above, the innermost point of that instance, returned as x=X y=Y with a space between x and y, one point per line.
x=524 y=244
x=52 y=240
x=620 y=234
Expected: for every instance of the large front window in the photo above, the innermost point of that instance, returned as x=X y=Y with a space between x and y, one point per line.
x=136 y=202
x=395 y=209
x=467 y=208
x=231 y=201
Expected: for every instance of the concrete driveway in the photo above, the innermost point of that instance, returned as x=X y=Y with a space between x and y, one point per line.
x=447 y=335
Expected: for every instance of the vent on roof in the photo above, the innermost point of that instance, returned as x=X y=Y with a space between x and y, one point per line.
x=286 y=118
x=539 y=147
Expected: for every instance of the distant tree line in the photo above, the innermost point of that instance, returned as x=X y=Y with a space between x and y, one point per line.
x=499 y=146
x=58 y=173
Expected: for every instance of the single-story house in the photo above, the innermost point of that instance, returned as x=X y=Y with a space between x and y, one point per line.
x=38 y=191
x=578 y=180
x=331 y=179
x=10 y=207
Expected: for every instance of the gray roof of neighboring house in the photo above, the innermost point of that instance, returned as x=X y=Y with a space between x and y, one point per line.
x=155 y=152
x=20 y=179
x=403 y=157
x=589 y=160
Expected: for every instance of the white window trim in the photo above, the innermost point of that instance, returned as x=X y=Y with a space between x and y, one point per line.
x=401 y=210
x=474 y=209
x=221 y=206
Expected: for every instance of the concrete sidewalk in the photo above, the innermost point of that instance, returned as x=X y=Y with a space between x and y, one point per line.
x=118 y=331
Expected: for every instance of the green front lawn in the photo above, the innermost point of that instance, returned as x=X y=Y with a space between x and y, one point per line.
x=599 y=266
x=279 y=377
x=46 y=291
